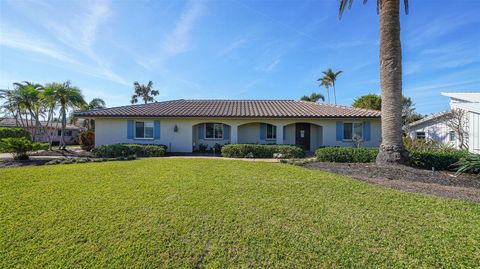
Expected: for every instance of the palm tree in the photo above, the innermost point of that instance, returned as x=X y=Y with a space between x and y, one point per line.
x=330 y=77
x=146 y=92
x=392 y=150
x=314 y=97
x=325 y=83
x=67 y=97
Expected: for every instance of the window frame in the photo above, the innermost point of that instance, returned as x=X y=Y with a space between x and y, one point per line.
x=144 y=130
x=424 y=135
x=353 y=131
x=273 y=128
x=452 y=136
x=214 y=131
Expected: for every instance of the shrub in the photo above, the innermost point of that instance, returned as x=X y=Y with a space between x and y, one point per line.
x=6 y=132
x=202 y=147
x=414 y=144
x=87 y=140
x=438 y=160
x=469 y=164
x=261 y=151
x=125 y=150
x=20 y=146
x=346 y=154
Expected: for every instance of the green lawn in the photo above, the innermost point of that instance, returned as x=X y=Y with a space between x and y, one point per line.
x=221 y=213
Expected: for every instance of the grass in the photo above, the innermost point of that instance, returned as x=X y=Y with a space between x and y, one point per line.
x=222 y=213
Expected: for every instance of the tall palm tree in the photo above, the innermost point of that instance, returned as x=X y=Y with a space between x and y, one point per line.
x=68 y=97
x=146 y=92
x=314 y=97
x=325 y=83
x=391 y=150
x=331 y=76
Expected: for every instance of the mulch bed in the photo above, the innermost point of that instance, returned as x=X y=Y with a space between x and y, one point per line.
x=63 y=153
x=439 y=183
x=13 y=163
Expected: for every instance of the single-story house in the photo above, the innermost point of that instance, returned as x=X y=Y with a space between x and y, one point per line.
x=184 y=125
x=55 y=131
x=436 y=127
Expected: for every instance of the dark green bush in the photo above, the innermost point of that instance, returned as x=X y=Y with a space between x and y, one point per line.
x=124 y=150
x=437 y=160
x=346 y=154
x=20 y=146
x=6 y=132
x=261 y=151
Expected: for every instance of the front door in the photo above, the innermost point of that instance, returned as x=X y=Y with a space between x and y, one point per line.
x=302 y=135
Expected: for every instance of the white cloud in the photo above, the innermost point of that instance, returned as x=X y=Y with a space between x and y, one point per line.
x=232 y=46
x=177 y=41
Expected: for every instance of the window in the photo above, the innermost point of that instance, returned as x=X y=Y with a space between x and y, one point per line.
x=213 y=131
x=352 y=130
x=59 y=133
x=144 y=129
x=271 y=132
x=451 y=136
x=420 y=135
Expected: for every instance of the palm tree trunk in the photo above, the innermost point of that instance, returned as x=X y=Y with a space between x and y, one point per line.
x=328 y=95
x=391 y=150
x=64 y=126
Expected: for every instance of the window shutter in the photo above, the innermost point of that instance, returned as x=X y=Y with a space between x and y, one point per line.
x=263 y=131
x=366 y=131
x=201 y=131
x=130 y=129
x=226 y=132
x=156 y=129
x=339 y=130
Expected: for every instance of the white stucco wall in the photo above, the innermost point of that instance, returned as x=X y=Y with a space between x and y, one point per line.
x=114 y=130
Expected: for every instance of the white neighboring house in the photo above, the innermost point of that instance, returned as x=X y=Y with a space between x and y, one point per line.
x=436 y=128
x=184 y=125
x=71 y=131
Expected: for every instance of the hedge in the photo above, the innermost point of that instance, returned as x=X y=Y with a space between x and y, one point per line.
x=7 y=132
x=346 y=154
x=125 y=150
x=20 y=146
x=437 y=160
x=261 y=151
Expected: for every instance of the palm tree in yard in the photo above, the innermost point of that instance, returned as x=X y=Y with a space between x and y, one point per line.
x=392 y=150
x=329 y=76
x=314 y=97
x=325 y=83
x=146 y=92
x=68 y=97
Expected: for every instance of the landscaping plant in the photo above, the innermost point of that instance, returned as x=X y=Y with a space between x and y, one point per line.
x=469 y=164
x=87 y=140
x=346 y=154
x=6 y=132
x=125 y=150
x=20 y=146
x=261 y=151
x=436 y=160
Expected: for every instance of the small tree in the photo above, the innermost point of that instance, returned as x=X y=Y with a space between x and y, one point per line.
x=369 y=101
x=457 y=121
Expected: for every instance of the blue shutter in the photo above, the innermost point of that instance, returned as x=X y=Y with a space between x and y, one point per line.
x=201 y=131
x=156 y=129
x=263 y=131
x=366 y=131
x=339 y=130
x=130 y=129
x=226 y=132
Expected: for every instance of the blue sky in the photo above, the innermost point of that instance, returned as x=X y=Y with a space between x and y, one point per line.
x=236 y=49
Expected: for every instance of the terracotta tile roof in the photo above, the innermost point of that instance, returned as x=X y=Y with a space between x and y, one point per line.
x=233 y=109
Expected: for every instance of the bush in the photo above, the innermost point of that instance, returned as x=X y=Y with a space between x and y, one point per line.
x=7 y=132
x=86 y=140
x=469 y=164
x=261 y=151
x=202 y=147
x=125 y=150
x=438 y=160
x=20 y=146
x=346 y=154
x=415 y=144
